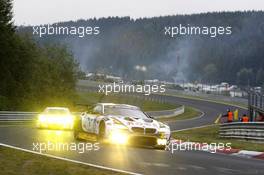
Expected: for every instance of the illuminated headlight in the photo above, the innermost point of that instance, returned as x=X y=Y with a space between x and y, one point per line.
x=162 y=134
x=41 y=118
x=63 y=121
x=161 y=141
x=118 y=137
x=118 y=133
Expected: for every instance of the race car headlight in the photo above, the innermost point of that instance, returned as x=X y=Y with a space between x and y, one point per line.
x=118 y=137
x=64 y=121
x=41 y=118
x=162 y=134
x=67 y=120
x=161 y=141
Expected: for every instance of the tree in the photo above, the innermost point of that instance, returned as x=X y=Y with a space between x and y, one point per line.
x=6 y=41
x=6 y=23
x=210 y=73
x=244 y=76
x=32 y=76
x=125 y=43
x=260 y=77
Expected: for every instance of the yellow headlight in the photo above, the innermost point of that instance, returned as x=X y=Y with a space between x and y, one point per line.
x=58 y=120
x=118 y=137
x=161 y=141
x=41 y=118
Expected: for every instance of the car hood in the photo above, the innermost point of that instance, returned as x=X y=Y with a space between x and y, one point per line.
x=56 y=115
x=136 y=122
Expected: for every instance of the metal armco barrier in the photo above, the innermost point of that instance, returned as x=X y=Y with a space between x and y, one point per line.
x=239 y=130
x=166 y=113
x=30 y=116
x=17 y=116
x=21 y=116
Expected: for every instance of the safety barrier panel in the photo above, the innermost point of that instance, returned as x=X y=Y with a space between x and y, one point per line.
x=166 y=113
x=29 y=116
x=17 y=116
x=239 y=130
x=20 y=116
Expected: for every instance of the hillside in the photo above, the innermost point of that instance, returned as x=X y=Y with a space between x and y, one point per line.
x=124 y=43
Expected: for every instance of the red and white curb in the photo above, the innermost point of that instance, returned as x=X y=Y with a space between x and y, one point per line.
x=228 y=151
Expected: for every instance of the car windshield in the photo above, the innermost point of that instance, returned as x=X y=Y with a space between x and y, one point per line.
x=112 y=110
x=57 y=111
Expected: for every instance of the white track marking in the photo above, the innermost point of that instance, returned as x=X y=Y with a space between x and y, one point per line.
x=203 y=126
x=195 y=118
x=70 y=160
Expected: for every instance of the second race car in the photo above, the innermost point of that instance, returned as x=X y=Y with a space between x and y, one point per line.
x=55 y=118
x=121 y=124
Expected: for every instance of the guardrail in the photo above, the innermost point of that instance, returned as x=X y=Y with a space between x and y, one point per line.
x=166 y=113
x=30 y=116
x=20 y=116
x=17 y=116
x=239 y=130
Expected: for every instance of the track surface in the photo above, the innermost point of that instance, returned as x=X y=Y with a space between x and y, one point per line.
x=211 y=112
x=142 y=160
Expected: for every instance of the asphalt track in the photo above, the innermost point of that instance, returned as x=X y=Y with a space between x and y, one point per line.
x=143 y=160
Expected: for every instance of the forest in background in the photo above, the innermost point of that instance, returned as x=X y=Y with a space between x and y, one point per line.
x=33 y=76
x=124 y=43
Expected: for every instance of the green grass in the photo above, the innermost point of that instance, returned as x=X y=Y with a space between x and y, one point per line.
x=14 y=162
x=91 y=98
x=210 y=135
x=189 y=113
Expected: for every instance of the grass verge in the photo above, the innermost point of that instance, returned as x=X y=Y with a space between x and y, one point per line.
x=18 y=162
x=189 y=113
x=91 y=98
x=210 y=135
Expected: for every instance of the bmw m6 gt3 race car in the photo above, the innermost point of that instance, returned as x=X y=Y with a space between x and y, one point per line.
x=121 y=124
x=55 y=118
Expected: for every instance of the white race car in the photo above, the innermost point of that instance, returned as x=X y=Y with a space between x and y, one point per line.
x=55 y=118
x=121 y=124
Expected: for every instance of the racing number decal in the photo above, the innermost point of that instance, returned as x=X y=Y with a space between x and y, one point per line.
x=89 y=123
